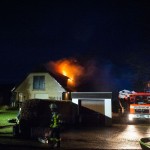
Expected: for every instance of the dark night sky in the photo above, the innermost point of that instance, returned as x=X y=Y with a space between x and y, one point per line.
x=109 y=32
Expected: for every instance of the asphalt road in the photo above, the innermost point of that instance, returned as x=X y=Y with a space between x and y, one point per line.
x=118 y=136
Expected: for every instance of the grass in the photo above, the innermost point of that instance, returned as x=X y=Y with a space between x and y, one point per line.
x=5 y=115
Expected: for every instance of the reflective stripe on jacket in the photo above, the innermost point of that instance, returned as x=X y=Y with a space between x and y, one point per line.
x=55 y=121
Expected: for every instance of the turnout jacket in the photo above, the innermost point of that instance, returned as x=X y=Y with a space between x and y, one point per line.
x=55 y=120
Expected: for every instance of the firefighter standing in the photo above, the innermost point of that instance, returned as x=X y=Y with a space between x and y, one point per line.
x=55 y=126
x=18 y=116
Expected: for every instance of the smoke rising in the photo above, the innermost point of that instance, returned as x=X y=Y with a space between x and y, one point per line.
x=68 y=67
x=91 y=75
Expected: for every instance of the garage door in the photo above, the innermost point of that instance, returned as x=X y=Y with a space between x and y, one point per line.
x=41 y=96
x=92 y=111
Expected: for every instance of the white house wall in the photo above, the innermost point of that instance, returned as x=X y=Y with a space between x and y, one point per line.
x=52 y=88
x=108 y=108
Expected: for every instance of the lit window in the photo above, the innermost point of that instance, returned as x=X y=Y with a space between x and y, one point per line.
x=39 y=82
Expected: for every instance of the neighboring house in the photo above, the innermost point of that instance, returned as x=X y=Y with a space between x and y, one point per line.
x=41 y=84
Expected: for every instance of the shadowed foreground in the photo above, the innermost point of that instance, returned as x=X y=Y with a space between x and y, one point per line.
x=119 y=136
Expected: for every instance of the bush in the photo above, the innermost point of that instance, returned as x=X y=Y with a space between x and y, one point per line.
x=12 y=108
x=4 y=107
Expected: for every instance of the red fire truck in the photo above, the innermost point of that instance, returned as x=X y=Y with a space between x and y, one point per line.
x=136 y=105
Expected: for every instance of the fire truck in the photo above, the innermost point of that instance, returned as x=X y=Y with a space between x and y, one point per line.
x=136 y=105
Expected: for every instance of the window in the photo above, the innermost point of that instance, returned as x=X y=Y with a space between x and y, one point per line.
x=39 y=82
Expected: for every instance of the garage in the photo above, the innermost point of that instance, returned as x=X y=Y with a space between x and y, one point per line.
x=94 y=108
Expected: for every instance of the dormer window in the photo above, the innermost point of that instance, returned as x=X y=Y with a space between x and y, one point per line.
x=38 y=82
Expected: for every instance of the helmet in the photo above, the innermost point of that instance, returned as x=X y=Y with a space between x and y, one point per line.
x=53 y=106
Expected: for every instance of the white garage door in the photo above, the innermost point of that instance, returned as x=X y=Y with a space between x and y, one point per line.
x=92 y=112
x=94 y=105
x=41 y=96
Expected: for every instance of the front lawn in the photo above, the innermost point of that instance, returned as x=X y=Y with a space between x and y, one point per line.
x=5 y=115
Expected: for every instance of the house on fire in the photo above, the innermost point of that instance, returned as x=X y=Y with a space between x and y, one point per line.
x=82 y=107
x=41 y=84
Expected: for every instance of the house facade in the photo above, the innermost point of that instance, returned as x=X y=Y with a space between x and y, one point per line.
x=41 y=84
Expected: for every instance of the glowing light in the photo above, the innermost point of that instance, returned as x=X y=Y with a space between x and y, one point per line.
x=69 y=68
x=132 y=133
x=131 y=106
x=64 y=73
x=71 y=82
x=131 y=117
x=70 y=79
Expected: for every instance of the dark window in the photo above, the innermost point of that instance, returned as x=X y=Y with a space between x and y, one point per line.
x=142 y=110
x=39 y=82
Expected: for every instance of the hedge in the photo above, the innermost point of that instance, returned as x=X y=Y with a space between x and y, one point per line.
x=36 y=113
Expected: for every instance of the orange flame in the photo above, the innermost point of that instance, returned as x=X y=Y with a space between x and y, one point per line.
x=70 y=68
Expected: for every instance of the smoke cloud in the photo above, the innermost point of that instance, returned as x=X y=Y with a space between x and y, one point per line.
x=91 y=75
x=68 y=67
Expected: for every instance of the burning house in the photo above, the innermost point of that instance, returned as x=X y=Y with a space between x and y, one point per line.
x=59 y=81
x=41 y=84
x=49 y=81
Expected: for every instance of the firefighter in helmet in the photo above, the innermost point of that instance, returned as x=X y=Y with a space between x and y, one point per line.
x=55 y=126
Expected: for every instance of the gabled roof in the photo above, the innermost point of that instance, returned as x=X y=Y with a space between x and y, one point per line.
x=61 y=79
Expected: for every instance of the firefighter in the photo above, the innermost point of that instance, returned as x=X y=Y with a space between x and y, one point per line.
x=55 y=126
x=18 y=116
x=16 y=127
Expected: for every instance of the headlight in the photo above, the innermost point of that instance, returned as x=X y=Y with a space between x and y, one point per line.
x=130 y=117
x=132 y=107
